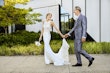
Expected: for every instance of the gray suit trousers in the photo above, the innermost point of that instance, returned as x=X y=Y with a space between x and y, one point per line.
x=79 y=51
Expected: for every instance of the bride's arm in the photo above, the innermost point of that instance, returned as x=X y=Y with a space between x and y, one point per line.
x=53 y=25
x=42 y=31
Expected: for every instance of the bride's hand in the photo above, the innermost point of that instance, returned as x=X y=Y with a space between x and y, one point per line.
x=63 y=36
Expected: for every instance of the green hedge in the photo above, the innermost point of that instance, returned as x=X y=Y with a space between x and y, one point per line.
x=16 y=50
x=97 y=48
x=55 y=36
x=32 y=49
x=22 y=38
x=22 y=43
x=19 y=37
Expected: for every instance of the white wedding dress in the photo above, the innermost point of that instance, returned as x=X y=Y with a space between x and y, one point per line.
x=60 y=58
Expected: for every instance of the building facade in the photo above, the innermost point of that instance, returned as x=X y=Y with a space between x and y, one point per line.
x=96 y=11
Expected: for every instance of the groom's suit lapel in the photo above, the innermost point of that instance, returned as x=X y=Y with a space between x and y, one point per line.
x=78 y=20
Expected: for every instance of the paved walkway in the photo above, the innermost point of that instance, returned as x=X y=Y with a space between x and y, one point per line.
x=35 y=64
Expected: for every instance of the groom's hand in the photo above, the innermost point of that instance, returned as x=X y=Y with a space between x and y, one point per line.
x=66 y=35
x=83 y=39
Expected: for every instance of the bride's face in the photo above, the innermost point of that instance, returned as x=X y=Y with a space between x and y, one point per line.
x=49 y=17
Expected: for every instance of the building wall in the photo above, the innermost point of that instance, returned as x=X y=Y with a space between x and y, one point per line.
x=92 y=13
x=105 y=20
x=98 y=16
x=66 y=6
x=43 y=7
x=55 y=17
x=80 y=3
x=1 y=2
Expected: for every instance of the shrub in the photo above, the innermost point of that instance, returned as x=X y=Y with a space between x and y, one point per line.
x=97 y=48
x=56 y=45
x=92 y=47
x=105 y=47
x=32 y=49
x=23 y=38
x=22 y=43
x=55 y=36
x=19 y=37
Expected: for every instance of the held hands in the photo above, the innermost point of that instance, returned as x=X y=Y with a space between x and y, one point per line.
x=63 y=36
x=66 y=35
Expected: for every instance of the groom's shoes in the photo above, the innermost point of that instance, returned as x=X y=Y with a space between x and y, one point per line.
x=76 y=65
x=90 y=62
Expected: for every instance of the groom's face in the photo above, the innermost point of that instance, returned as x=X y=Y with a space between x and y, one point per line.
x=76 y=12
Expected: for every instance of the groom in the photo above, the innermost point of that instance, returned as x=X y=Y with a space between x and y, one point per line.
x=80 y=28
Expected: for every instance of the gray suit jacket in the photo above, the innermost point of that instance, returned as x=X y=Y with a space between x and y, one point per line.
x=80 y=27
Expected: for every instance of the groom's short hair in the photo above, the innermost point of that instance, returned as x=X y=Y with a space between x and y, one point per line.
x=78 y=8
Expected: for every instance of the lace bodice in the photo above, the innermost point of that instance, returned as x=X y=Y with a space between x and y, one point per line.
x=47 y=26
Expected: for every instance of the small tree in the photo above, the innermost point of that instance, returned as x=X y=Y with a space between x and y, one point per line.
x=10 y=15
x=13 y=2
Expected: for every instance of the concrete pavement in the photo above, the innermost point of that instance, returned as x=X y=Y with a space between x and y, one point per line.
x=35 y=64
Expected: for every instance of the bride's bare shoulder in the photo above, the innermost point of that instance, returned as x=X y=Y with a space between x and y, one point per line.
x=52 y=23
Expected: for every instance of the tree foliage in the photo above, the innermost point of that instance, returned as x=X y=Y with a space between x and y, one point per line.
x=10 y=15
x=13 y=2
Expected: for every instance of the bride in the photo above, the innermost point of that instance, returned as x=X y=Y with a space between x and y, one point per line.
x=60 y=58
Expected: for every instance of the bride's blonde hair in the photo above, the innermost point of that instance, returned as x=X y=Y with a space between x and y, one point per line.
x=48 y=14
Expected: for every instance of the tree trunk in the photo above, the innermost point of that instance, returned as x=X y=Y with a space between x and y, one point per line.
x=5 y=28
